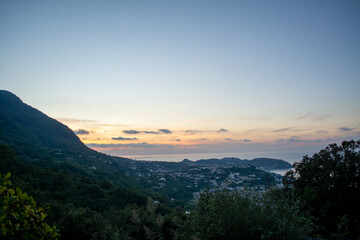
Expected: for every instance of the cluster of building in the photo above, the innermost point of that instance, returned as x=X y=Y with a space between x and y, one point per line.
x=198 y=178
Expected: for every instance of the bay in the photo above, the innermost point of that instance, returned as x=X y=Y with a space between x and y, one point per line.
x=290 y=157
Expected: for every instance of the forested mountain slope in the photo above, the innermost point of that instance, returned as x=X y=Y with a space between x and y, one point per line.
x=23 y=124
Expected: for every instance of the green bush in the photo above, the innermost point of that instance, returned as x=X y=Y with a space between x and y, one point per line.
x=235 y=215
x=19 y=216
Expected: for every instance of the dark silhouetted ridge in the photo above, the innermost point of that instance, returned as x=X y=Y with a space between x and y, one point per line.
x=23 y=124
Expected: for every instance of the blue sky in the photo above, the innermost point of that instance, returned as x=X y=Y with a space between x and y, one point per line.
x=276 y=75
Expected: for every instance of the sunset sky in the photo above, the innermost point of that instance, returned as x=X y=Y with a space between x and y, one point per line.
x=166 y=77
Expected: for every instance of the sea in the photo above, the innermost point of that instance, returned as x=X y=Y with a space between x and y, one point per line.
x=290 y=157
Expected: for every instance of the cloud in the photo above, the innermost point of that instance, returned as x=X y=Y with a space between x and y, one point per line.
x=203 y=139
x=130 y=145
x=230 y=139
x=290 y=140
x=131 y=132
x=322 y=132
x=191 y=132
x=122 y=138
x=75 y=120
x=306 y=116
x=240 y=140
x=295 y=140
x=110 y=125
x=81 y=132
x=151 y=132
x=316 y=117
x=162 y=130
x=177 y=140
x=222 y=130
x=166 y=131
x=346 y=129
x=282 y=129
x=321 y=118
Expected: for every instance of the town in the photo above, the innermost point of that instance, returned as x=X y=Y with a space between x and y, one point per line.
x=184 y=182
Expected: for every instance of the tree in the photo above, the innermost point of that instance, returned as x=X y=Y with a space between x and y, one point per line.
x=236 y=215
x=20 y=218
x=328 y=183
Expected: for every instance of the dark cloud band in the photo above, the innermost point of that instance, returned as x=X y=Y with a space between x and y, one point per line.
x=81 y=132
x=123 y=139
x=162 y=130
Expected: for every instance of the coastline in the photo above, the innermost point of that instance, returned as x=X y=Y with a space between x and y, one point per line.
x=290 y=157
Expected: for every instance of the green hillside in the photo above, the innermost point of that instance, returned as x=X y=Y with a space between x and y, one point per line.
x=23 y=124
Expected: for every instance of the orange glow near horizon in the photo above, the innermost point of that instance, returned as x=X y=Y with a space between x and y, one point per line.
x=111 y=137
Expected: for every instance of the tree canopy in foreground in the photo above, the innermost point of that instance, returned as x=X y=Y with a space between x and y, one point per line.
x=328 y=184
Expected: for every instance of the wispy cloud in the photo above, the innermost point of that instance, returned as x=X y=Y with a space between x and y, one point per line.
x=130 y=145
x=316 y=117
x=296 y=140
x=322 y=132
x=81 y=132
x=282 y=129
x=289 y=140
x=122 y=138
x=177 y=140
x=222 y=130
x=239 y=140
x=321 y=118
x=229 y=139
x=76 y=120
x=191 y=132
x=305 y=116
x=110 y=125
x=346 y=129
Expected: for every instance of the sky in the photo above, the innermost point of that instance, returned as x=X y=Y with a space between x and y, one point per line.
x=179 y=77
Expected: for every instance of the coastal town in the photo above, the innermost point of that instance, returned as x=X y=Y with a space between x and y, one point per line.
x=184 y=182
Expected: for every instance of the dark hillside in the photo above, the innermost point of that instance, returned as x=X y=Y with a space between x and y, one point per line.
x=23 y=124
x=45 y=142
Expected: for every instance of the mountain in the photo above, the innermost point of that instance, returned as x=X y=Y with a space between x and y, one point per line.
x=25 y=125
x=43 y=141
x=25 y=128
x=262 y=163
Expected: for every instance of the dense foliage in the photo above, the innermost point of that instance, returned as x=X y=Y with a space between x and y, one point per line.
x=83 y=206
x=321 y=190
x=20 y=218
x=235 y=215
x=328 y=184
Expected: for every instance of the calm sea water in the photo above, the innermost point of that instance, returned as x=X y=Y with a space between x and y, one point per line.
x=290 y=157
